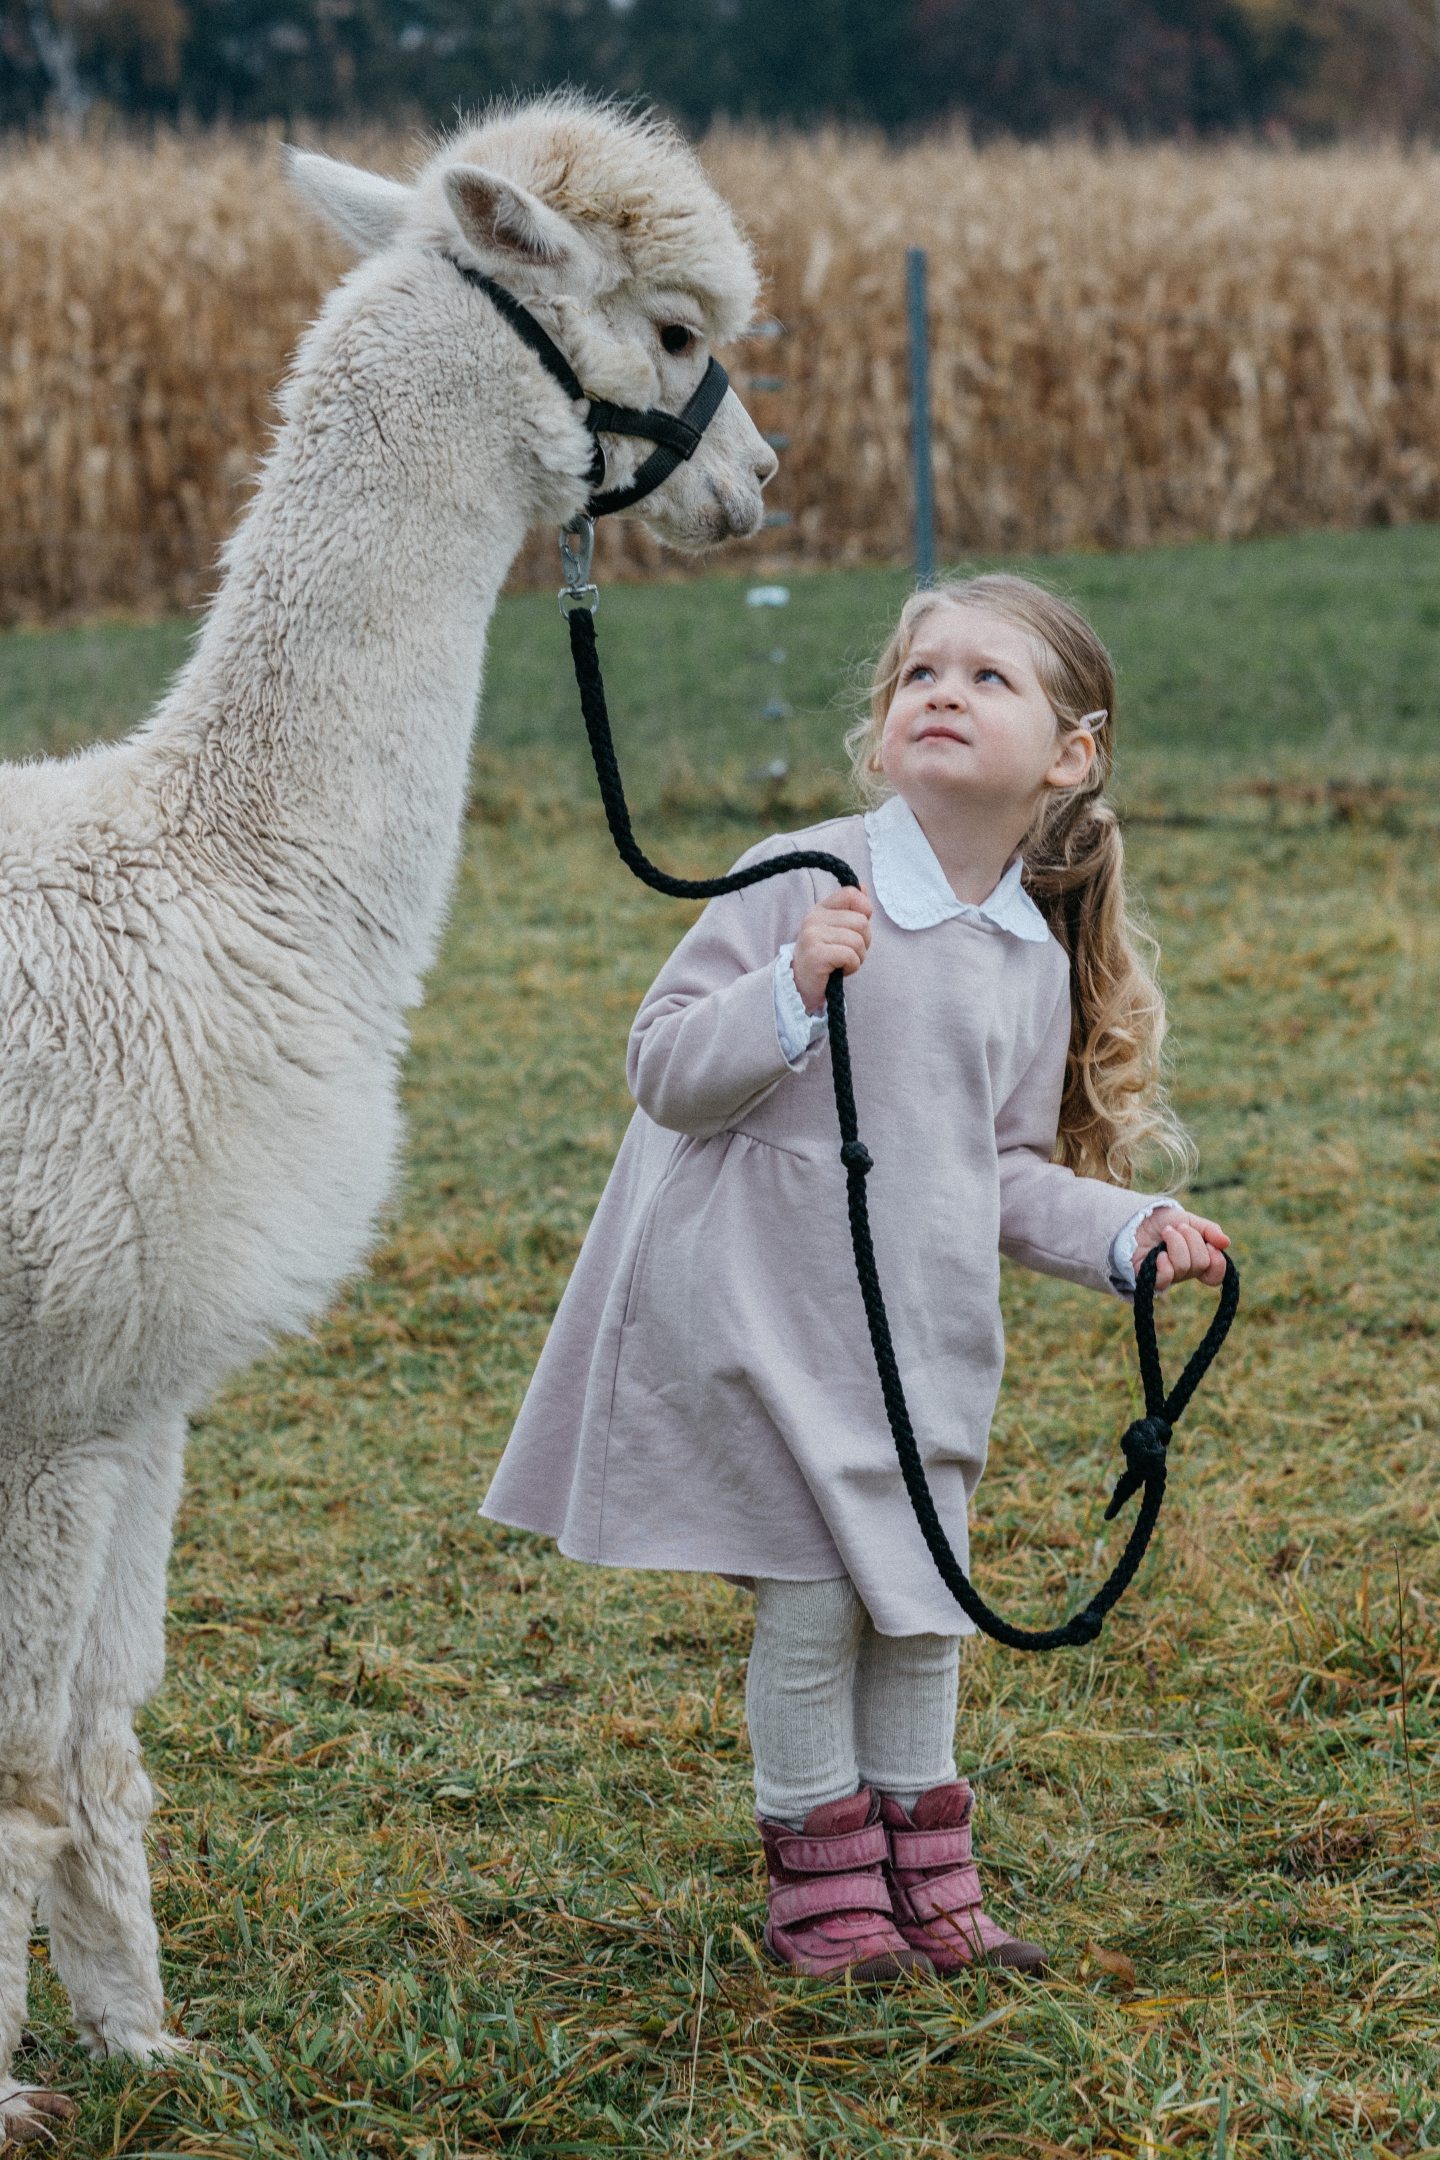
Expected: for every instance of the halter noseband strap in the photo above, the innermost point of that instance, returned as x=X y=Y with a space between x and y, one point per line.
x=676 y=436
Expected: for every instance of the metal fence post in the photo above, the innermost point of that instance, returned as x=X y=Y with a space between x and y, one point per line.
x=919 y=314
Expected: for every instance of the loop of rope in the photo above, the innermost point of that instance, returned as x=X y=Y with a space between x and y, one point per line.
x=1145 y=1442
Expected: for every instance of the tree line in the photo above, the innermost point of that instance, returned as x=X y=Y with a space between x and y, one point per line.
x=1139 y=68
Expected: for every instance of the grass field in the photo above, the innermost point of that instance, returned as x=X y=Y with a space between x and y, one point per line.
x=453 y=1852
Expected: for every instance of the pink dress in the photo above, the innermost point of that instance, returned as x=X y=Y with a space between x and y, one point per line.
x=707 y=1397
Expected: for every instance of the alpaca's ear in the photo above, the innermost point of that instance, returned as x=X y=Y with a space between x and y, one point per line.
x=499 y=218
x=365 y=209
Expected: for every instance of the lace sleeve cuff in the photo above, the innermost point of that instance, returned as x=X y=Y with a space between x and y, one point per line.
x=797 y=1029
x=1122 y=1248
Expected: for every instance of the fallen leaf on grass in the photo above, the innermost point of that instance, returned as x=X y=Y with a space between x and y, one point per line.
x=1119 y=1968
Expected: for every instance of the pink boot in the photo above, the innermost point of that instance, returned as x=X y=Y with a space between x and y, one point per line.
x=830 y=1911
x=936 y=1889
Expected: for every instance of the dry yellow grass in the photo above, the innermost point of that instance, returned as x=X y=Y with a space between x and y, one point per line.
x=1128 y=345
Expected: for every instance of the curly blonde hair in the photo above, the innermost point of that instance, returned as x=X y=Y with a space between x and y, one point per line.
x=1115 y=1103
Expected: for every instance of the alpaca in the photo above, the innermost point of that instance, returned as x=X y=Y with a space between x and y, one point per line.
x=210 y=933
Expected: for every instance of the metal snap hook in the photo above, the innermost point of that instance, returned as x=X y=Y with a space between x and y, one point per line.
x=577 y=552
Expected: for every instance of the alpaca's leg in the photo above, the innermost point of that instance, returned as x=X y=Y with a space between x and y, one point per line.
x=57 y=1507
x=29 y=1848
x=97 y=1901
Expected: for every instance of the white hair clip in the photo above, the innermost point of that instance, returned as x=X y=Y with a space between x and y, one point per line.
x=1097 y=718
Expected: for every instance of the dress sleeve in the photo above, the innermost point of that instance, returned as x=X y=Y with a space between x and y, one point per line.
x=705 y=1048
x=1051 y=1220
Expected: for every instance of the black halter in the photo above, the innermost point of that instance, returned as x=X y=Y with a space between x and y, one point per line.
x=676 y=436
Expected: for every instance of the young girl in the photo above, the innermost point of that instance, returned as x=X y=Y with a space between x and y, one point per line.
x=707 y=1397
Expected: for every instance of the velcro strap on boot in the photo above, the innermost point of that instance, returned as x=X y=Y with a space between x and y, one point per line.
x=790 y=1902
x=834 y=1855
x=930 y=1848
x=946 y=1894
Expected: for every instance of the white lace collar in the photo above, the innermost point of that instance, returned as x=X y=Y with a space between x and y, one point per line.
x=914 y=892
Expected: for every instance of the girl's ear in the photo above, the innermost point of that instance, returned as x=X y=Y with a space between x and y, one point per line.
x=1070 y=766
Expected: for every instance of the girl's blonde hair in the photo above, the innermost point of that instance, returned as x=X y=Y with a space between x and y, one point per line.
x=1114 y=1103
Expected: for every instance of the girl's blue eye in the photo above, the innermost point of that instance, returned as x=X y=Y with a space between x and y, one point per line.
x=994 y=674
x=914 y=674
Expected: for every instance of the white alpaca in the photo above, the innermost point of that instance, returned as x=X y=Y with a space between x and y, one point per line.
x=210 y=933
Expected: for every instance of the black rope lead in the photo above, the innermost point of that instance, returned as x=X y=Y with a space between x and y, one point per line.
x=1146 y=1441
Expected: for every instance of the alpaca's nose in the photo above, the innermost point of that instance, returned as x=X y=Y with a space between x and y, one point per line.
x=766 y=463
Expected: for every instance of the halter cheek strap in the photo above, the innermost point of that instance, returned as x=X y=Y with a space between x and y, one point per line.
x=676 y=436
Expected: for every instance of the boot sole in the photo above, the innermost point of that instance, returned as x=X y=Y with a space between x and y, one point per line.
x=995 y=1960
x=888 y=1966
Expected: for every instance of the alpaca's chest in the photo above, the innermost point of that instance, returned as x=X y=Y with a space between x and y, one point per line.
x=197 y=1127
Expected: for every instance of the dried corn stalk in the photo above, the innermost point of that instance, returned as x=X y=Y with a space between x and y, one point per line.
x=1129 y=345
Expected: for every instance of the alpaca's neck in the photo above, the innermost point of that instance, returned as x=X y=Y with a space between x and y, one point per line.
x=325 y=719
x=348 y=674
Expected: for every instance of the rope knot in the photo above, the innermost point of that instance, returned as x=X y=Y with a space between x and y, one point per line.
x=1083 y=1627
x=856 y=1156
x=1143 y=1445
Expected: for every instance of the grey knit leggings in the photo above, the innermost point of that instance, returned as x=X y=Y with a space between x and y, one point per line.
x=832 y=1705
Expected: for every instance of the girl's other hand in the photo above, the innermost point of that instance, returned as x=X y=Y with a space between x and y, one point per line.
x=835 y=934
x=1191 y=1249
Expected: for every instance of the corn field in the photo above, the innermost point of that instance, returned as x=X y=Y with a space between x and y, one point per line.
x=1128 y=345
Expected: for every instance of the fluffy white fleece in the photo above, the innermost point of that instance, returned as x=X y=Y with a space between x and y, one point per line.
x=210 y=933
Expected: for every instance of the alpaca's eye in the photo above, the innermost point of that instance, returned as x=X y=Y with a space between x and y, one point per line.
x=676 y=338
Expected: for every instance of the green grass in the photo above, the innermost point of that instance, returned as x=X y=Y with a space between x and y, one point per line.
x=1291 y=653
x=450 y=1830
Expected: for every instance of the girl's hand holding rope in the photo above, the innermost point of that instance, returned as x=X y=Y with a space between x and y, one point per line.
x=1191 y=1249
x=835 y=934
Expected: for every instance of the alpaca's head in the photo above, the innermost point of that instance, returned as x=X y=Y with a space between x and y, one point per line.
x=604 y=224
